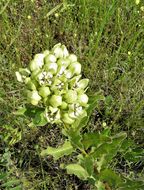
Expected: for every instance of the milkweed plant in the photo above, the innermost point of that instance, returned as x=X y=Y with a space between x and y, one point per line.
x=56 y=94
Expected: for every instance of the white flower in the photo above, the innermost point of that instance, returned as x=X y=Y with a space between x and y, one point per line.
x=55 y=100
x=65 y=51
x=72 y=58
x=83 y=99
x=37 y=62
x=50 y=58
x=51 y=67
x=75 y=68
x=33 y=97
x=70 y=96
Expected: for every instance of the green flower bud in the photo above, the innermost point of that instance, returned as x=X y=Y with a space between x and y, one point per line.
x=50 y=58
x=64 y=105
x=34 y=102
x=31 y=85
x=68 y=73
x=44 y=91
x=45 y=100
x=63 y=61
x=80 y=90
x=65 y=51
x=33 y=97
x=70 y=96
x=61 y=70
x=66 y=119
x=33 y=65
x=46 y=52
x=55 y=100
x=72 y=111
x=57 y=51
x=83 y=83
x=19 y=76
x=51 y=67
x=72 y=58
x=75 y=68
x=37 y=62
x=83 y=99
x=72 y=115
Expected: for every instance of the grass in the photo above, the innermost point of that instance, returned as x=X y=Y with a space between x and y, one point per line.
x=107 y=37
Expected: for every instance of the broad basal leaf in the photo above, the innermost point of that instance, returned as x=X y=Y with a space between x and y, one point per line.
x=77 y=170
x=59 y=152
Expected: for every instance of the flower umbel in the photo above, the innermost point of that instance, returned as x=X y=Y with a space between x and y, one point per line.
x=53 y=80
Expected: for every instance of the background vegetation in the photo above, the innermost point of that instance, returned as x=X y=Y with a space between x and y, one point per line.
x=107 y=37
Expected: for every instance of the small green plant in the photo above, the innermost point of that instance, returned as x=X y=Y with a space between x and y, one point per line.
x=57 y=94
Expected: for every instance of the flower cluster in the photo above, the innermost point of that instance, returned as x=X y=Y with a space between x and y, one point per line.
x=53 y=79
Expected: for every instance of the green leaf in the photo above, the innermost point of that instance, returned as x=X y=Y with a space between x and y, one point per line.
x=77 y=170
x=32 y=110
x=126 y=144
x=59 y=152
x=87 y=163
x=109 y=149
x=110 y=177
x=94 y=139
x=39 y=119
x=75 y=138
x=118 y=138
x=134 y=155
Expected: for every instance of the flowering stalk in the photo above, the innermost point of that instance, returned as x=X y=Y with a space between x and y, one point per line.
x=53 y=82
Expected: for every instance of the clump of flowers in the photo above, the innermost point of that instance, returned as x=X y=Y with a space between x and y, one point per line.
x=53 y=80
